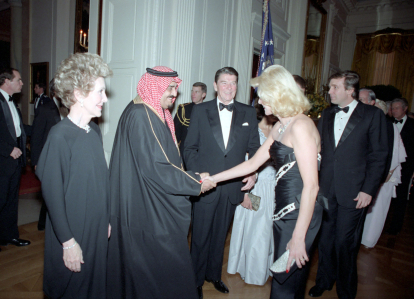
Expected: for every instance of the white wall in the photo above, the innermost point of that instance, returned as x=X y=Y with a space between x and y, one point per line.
x=193 y=37
x=52 y=29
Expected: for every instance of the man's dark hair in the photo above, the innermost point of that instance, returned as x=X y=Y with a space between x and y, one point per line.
x=371 y=93
x=351 y=81
x=202 y=85
x=300 y=81
x=226 y=70
x=403 y=101
x=6 y=73
x=42 y=85
x=260 y=113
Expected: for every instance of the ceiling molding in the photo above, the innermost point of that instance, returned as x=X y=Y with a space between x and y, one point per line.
x=368 y=6
x=349 y=4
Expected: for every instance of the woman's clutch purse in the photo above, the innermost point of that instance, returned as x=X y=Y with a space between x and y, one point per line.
x=279 y=266
x=255 y=201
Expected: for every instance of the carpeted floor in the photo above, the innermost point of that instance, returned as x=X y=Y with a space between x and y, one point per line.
x=29 y=208
x=30 y=198
x=29 y=183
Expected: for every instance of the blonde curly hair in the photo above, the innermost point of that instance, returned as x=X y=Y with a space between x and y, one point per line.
x=79 y=72
x=278 y=89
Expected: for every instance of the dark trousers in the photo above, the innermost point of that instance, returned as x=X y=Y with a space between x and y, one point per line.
x=399 y=204
x=42 y=216
x=294 y=285
x=9 y=199
x=210 y=224
x=339 y=242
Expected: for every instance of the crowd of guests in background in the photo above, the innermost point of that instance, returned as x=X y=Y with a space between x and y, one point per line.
x=267 y=169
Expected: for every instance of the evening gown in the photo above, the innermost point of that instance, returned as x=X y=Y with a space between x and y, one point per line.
x=288 y=190
x=251 y=244
x=75 y=186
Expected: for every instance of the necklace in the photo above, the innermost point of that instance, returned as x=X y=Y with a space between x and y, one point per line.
x=282 y=129
x=87 y=128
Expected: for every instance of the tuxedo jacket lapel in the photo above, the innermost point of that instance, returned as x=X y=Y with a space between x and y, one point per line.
x=214 y=120
x=236 y=126
x=8 y=116
x=331 y=134
x=354 y=119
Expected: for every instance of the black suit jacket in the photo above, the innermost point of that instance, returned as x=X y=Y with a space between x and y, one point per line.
x=407 y=136
x=181 y=123
x=390 y=137
x=358 y=162
x=8 y=140
x=48 y=116
x=44 y=99
x=204 y=149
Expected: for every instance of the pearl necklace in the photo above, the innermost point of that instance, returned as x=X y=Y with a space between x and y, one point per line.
x=87 y=128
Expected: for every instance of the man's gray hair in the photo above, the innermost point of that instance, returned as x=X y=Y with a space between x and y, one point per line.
x=371 y=93
x=404 y=102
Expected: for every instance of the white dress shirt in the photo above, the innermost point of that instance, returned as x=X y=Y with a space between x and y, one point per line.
x=15 y=115
x=401 y=125
x=341 y=119
x=37 y=101
x=225 y=121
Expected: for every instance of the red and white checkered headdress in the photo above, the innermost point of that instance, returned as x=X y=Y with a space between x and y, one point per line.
x=152 y=86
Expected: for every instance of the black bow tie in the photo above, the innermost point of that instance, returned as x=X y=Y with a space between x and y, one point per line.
x=229 y=107
x=337 y=109
x=398 y=121
x=10 y=98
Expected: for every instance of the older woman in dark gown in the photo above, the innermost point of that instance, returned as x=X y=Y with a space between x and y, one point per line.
x=75 y=176
x=293 y=144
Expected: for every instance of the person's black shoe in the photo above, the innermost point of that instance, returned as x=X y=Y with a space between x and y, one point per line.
x=16 y=242
x=219 y=285
x=200 y=292
x=40 y=228
x=316 y=291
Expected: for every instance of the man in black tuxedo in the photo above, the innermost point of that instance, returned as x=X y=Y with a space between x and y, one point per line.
x=12 y=157
x=354 y=153
x=182 y=117
x=367 y=96
x=48 y=115
x=41 y=98
x=406 y=127
x=220 y=134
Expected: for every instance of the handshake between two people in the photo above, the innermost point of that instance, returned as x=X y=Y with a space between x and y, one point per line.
x=210 y=182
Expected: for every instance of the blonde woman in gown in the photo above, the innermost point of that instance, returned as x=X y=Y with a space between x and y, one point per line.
x=251 y=245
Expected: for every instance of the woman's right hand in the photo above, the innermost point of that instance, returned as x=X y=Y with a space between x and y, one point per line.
x=72 y=257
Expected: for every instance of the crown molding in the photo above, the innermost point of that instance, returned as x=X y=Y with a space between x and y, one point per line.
x=370 y=6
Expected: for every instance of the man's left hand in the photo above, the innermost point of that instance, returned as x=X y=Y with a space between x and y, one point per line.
x=250 y=181
x=363 y=200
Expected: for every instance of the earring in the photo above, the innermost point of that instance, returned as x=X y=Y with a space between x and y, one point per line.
x=81 y=103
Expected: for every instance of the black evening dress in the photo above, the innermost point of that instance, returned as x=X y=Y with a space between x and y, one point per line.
x=75 y=186
x=288 y=190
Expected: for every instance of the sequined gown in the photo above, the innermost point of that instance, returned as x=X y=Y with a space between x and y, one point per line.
x=288 y=190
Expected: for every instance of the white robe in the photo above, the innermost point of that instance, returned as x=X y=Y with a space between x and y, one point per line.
x=377 y=212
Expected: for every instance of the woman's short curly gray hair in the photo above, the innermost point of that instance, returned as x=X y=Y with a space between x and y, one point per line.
x=79 y=72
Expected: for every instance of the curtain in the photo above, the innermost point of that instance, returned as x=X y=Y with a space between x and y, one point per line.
x=383 y=68
x=372 y=56
x=311 y=63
